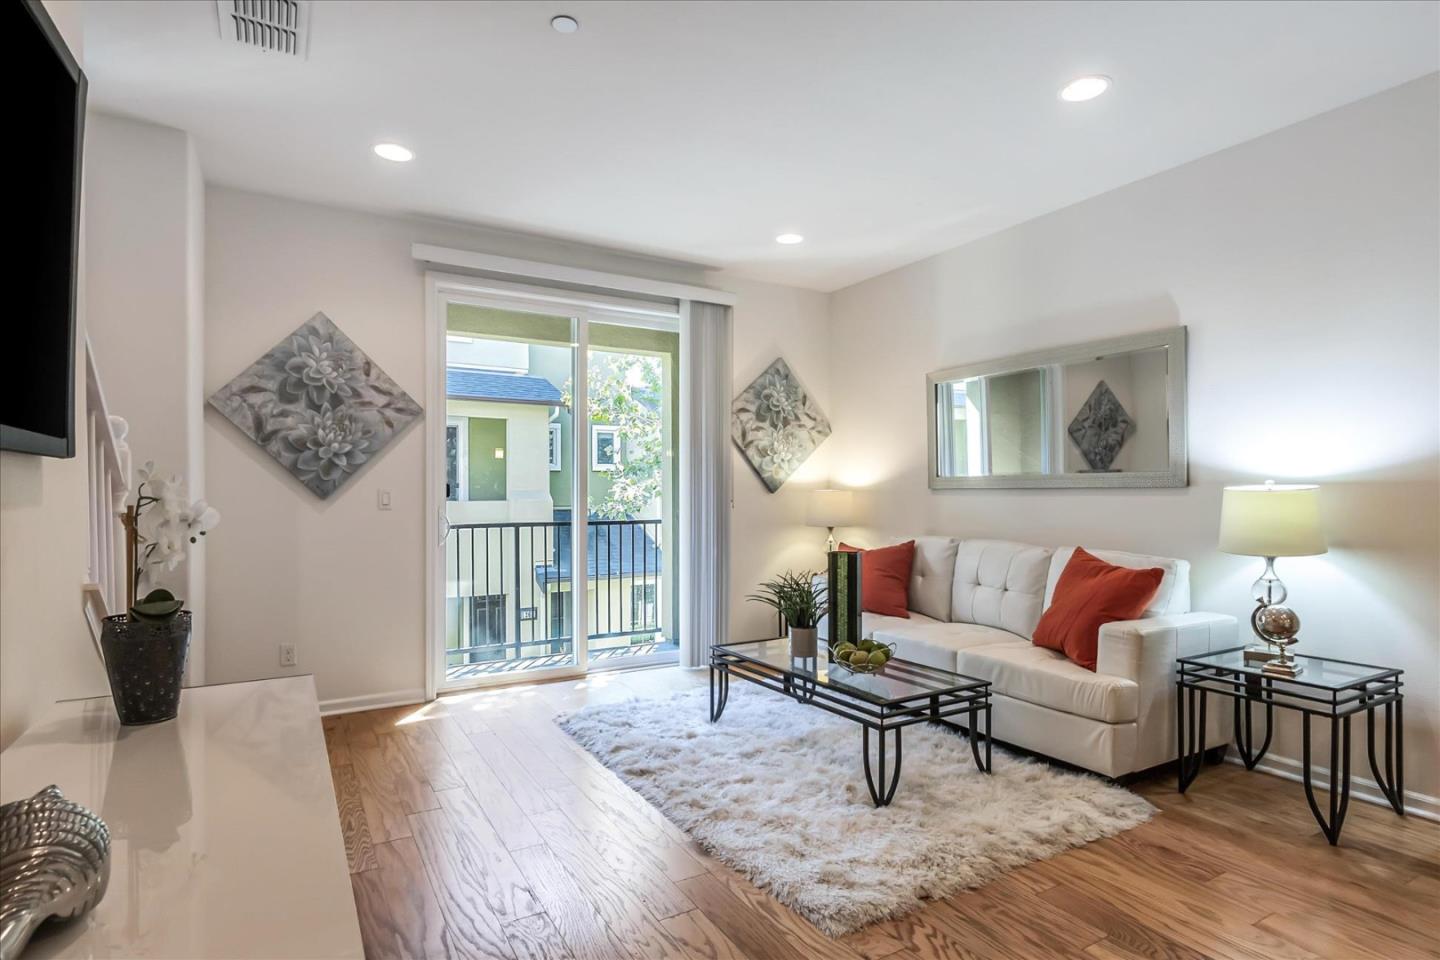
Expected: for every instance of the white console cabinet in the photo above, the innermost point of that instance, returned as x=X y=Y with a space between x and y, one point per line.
x=225 y=835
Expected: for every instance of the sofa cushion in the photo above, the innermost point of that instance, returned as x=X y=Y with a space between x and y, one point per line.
x=1171 y=598
x=870 y=622
x=1040 y=676
x=933 y=576
x=999 y=584
x=937 y=644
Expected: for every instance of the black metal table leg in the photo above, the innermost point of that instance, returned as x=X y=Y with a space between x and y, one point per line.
x=719 y=692
x=1245 y=734
x=974 y=736
x=886 y=790
x=1392 y=782
x=1339 y=776
x=1192 y=748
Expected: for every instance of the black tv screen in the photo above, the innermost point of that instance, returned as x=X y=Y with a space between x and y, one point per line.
x=37 y=373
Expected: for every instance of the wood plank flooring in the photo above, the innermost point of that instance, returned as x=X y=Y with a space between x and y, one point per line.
x=474 y=827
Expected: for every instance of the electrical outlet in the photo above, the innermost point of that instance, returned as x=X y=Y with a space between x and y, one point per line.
x=287 y=654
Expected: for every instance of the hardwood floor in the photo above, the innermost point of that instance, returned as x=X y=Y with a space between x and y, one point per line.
x=474 y=827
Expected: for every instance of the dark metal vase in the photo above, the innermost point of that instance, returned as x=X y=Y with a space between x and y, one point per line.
x=146 y=663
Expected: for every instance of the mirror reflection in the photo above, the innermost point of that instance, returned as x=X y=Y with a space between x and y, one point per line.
x=1091 y=416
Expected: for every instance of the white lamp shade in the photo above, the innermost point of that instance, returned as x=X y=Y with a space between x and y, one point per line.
x=830 y=508
x=1271 y=520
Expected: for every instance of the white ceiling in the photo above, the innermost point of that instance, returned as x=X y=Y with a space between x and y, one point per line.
x=882 y=131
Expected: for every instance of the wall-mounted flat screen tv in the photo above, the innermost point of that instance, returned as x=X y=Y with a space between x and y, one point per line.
x=37 y=365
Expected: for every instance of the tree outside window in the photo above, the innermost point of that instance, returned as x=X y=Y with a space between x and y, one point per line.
x=626 y=392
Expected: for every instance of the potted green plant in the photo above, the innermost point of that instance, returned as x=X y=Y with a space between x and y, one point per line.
x=145 y=649
x=800 y=600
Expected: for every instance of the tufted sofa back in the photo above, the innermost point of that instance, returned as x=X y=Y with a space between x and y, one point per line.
x=932 y=576
x=1000 y=584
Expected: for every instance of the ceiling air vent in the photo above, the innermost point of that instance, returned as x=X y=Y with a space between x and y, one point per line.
x=279 y=25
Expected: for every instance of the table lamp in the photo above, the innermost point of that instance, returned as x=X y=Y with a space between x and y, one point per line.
x=830 y=509
x=1272 y=520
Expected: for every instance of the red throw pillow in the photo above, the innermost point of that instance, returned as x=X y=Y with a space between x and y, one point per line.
x=1090 y=593
x=885 y=578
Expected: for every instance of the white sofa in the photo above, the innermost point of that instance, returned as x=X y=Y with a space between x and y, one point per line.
x=974 y=605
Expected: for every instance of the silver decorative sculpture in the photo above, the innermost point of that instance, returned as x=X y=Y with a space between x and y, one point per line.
x=1100 y=428
x=54 y=862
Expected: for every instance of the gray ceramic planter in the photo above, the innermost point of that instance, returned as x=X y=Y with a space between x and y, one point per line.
x=802 y=641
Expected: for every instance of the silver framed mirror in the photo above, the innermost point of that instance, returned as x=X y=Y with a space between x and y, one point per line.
x=1108 y=413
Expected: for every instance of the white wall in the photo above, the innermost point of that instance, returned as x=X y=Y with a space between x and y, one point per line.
x=767 y=533
x=339 y=578
x=1305 y=265
x=45 y=647
x=144 y=283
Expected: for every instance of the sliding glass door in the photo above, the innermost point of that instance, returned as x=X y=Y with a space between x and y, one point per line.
x=631 y=492
x=549 y=404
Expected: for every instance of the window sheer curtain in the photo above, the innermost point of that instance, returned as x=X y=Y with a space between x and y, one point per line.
x=705 y=480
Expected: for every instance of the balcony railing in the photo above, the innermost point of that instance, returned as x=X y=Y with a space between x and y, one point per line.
x=510 y=590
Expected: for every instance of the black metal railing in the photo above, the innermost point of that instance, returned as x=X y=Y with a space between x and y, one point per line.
x=512 y=588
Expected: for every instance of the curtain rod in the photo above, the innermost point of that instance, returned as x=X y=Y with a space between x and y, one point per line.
x=539 y=270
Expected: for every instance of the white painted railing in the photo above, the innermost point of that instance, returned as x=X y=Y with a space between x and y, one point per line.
x=109 y=459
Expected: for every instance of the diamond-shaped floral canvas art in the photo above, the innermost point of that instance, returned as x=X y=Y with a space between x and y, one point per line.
x=776 y=424
x=318 y=405
x=1100 y=428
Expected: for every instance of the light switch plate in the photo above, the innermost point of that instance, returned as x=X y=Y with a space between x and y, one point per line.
x=383 y=500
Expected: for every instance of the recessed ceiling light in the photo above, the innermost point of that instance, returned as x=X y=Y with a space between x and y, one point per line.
x=395 y=152
x=1084 y=88
x=564 y=24
x=789 y=238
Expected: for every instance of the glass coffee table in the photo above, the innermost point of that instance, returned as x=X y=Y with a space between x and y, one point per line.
x=900 y=694
x=1333 y=690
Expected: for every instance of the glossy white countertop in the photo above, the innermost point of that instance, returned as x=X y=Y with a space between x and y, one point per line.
x=225 y=838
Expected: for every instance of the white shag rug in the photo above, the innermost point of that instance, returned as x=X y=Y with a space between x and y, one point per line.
x=776 y=789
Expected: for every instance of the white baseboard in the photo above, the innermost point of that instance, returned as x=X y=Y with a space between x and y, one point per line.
x=372 y=701
x=1361 y=788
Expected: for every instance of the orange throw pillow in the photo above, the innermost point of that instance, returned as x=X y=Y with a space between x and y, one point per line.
x=885 y=578
x=1090 y=593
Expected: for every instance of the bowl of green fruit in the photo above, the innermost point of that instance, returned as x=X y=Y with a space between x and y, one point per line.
x=867 y=656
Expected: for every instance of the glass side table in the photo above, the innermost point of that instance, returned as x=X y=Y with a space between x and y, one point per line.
x=1330 y=689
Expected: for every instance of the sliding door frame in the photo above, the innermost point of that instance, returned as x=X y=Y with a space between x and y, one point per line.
x=442 y=289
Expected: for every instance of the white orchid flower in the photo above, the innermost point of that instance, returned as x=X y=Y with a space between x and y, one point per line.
x=199 y=518
x=166 y=523
x=172 y=496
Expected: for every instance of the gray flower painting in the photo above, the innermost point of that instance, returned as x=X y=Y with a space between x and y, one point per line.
x=776 y=424
x=318 y=405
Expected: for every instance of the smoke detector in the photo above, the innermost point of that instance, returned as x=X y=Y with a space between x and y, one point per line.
x=281 y=26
